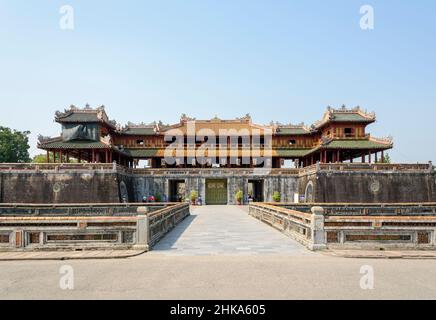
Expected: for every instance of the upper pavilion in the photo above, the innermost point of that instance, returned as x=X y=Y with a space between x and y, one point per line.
x=341 y=135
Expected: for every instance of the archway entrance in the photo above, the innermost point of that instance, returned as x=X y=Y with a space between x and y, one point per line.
x=308 y=194
x=255 y=190
x=177 y=190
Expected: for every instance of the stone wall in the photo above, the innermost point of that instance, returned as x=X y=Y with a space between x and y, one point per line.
x=370 y=187
x=59 y=187
x=115 y=184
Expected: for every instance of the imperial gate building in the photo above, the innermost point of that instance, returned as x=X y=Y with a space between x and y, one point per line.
x=217 y=157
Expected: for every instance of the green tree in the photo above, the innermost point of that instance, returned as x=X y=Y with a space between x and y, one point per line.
x=42 y=158
x=386 y=159
x=14 y=146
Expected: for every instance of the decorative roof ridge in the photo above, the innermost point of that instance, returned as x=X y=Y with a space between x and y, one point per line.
x=100 y=112
x=106 y=140
x=277 y=126
x=328 y=115
x=357 y=109
x=140 y=125
x=184 y=118
x=384 y=140
x=293 y=126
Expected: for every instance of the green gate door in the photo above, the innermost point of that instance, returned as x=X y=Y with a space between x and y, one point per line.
x=216 y=191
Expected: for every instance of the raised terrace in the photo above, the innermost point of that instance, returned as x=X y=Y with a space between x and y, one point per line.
x=112 y=183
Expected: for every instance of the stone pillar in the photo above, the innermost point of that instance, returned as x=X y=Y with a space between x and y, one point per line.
x=318 y=240
x=142 y=230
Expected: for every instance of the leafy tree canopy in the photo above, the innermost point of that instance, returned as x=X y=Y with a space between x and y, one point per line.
x=14 y=146
x=387 y=158
x=42 y=158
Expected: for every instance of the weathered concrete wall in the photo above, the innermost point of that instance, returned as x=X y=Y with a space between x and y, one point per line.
x=286 y=185
x=71 y=187
x=371 y=187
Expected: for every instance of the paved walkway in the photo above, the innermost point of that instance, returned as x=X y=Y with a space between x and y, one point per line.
x=225 y=230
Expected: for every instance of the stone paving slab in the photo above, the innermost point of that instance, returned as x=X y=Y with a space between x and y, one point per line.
x=382 y=254
x=225 y=230
x=69 y=255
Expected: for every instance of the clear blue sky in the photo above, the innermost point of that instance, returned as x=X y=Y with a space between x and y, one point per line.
x=278 y=60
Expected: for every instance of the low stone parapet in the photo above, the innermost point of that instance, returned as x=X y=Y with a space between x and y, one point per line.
x=122 y=227
x=380 y=231
x=411 y=226
x=306 y=228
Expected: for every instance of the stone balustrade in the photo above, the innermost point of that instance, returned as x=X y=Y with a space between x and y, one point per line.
x=136 y=226
x=329 y=226
x=366 y=209
x=113 y=167
x=306 y=228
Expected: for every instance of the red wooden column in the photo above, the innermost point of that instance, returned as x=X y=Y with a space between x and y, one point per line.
x=93 y=156
x=376 y=157
x=383 y=156
x=369 y=156
x=338 y=156
x=48 y=157
x=61 y=155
